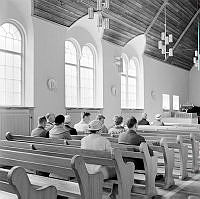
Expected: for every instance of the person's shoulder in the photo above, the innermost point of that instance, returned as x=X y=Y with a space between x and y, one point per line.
x=140 y=137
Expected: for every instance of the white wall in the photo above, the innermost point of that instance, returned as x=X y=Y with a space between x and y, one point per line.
x=49 y=63
x=194 y=86
x=111 y=77
x=163 y=79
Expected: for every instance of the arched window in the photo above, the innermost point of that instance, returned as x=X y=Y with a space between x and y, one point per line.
x=71 y=75
x=79 y=76
x=128 y=83
x=11 y=62
x=87 y=77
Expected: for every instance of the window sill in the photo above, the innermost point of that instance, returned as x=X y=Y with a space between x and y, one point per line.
x=82 y=108
x=16 y=107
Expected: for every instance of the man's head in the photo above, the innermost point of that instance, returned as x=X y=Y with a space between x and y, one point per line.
x=59 y=120
x=101 y=118
x=95 y=126
x=144 y=116
x=132 y=123
x=118 y=119
x=42 y=121
x=86 y=117
x=50 y=117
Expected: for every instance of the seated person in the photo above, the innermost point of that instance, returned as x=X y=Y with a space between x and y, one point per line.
x=130 y=137
x=95 y=141
x=67 y=125
x=158 y=121
x=117 y=128
x=101 y=118
x=58 y=131
x=143 y=121
x=50 y=121
x=82 y=126
x=40 y=130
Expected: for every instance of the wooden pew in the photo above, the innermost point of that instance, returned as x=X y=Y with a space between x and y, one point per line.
x=150 y=163
x=189 y=139
x=16 y=182
x=124 y=170
x=60 y=166
x=22 y=138
x=168 y=155
x=176 y=144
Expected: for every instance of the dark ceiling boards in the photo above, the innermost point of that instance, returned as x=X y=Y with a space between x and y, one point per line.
x=129 y=18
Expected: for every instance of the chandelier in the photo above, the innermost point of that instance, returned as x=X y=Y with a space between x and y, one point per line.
x=196 y=57
x=102 y=22
x=166 y=40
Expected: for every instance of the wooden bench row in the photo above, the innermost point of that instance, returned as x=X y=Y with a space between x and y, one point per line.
x=150 y=163
x=178 y=143
x=89 y=185
x=14 y=183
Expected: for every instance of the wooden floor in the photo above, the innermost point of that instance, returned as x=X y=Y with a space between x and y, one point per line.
x=182 y=189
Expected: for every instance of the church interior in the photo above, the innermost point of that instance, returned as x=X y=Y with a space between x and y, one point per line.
x=99 y=99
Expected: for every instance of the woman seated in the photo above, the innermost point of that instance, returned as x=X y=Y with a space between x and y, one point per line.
x=158 y=121
x=95 y=141
x=117 y=128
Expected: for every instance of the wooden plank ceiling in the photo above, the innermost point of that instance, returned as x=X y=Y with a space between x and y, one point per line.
x=129 y=18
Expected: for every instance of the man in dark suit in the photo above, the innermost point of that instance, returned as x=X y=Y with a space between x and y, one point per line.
x=130 y=137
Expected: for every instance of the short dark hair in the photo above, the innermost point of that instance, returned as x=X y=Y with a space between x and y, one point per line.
x=59 y=119
x=85 y=114
x=42 y=119
x=118 y=119
x=131 y=122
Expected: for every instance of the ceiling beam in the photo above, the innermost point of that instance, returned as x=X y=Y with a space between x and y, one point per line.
x=156 y=17
x=186 y=29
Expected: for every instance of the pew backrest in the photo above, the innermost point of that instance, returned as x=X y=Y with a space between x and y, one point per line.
x=16 y=181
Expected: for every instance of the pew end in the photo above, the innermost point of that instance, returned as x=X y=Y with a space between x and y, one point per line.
x=19 y=184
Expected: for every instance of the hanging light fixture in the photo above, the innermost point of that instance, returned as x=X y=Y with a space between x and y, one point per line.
x=196 y=57
x=102 y=22
x=166 y=40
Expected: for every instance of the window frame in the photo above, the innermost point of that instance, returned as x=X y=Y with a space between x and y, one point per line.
x=178 y=102
x=21 y=30
x=79 y=66
x=167 y=95
x=127 y=76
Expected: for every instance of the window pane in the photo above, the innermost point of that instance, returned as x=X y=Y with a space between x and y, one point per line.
x=166 y=102
x=2 y=59
x=132 y=68
x=87 y=57
x=2 y=72
x=2 y=85
x=131 y=93
x=70 y=53
x=175 y=102
x=86 y=87
x=2 y=42
x=11 y=39
x=123 y=91
x=17 y=60
x=10 y=65
x=70 y=86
